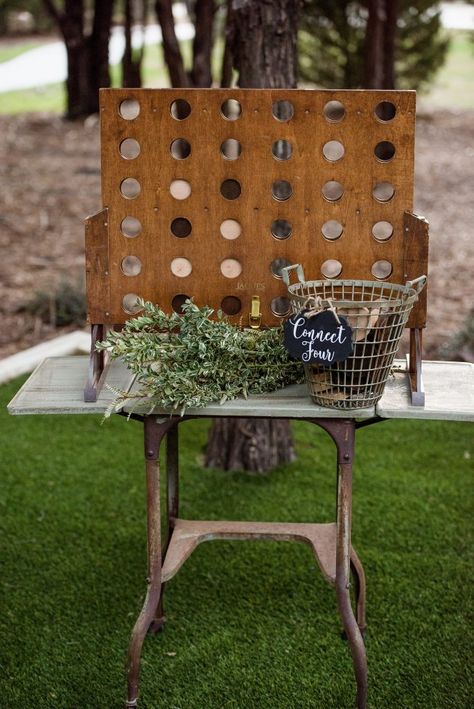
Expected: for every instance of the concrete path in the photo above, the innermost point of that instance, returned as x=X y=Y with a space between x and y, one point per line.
x=48 y=64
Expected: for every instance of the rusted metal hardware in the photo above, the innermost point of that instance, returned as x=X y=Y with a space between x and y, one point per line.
x=172 y=511
x=343 y=434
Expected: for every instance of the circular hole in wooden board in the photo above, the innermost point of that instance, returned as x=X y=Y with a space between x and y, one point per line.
x=383 y=191
x=276 y=266
x=129 y=148
x=332 y=190
x=385 y=111
x=382 y=231
x=282 y=149
x=178 y=302
x=230 y=189
x=331 y=268
x=180 y=149
x=180 y=109
x=231 y=268
x=281 y=229
x=384 y=151
x=181 y=227
x=129 y=109
x=381 y=269
x=130 y=227
x=180 y=189
x=281 y=190
x=333 y=150
x=130 y=304
x=280 y=306
x=230 y=229
x=130 y=188
x=181 y=267
x=332 y=229
x=231 y=149
x=131 y=266
x=334 y=111
x=231 y=109
x=231 y=305
x=283 y=110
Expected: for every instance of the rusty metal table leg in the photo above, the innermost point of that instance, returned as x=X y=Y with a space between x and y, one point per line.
x=172 y=511
x=154 y=434
x=343 y=434
x=358 y=575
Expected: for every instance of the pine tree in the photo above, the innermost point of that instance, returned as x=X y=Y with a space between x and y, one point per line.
x=333 y=43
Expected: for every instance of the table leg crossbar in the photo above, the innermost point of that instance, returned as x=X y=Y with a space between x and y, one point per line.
x=331 y=543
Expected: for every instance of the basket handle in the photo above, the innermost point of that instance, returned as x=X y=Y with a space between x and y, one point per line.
x=285 y=272
x=418 y=284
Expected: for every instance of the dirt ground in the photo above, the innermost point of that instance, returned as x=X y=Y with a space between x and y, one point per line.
x=51 y=181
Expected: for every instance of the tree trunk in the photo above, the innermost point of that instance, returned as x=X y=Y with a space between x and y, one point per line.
x=98 y=53
x=264 y=46
x=87 y=57
x=264 y=53
x=171 y=50
x=389 y=44
x=380 y=44
x=249 y=444
x=131 y=66
x=202 y=45
x=374 y=54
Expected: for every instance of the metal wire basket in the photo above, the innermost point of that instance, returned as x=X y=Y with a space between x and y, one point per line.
x=377 y=312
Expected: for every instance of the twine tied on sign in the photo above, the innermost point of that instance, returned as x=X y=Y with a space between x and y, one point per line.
x=315 y=306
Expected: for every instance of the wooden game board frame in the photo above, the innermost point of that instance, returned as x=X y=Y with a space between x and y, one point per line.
x=206 y=128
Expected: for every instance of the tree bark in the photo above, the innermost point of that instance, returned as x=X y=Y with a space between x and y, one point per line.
x=264 y=52
x=389 y=44
x=98 y=53
x=202 y=45
x=264 y=48
x=227 y=59
x=374 y=55
x=258 y=445
x=380 y=44
x=131 y=66
x=87 y=57
x=171 y=50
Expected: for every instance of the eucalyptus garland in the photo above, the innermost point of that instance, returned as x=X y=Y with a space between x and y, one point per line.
x=192 y=360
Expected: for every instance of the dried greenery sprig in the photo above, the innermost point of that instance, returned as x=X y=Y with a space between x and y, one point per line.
x=191 y=360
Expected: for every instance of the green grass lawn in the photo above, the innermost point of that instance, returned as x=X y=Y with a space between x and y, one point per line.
x=453 y=86
x=249 y=624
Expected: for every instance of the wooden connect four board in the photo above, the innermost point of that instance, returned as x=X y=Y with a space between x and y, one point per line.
x=208 y=192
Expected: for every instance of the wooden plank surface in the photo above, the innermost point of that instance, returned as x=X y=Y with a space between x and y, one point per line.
x=56 y=387
x=308 y=169
x=449 y=389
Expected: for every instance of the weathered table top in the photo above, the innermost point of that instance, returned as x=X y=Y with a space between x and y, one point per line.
x=56 y=387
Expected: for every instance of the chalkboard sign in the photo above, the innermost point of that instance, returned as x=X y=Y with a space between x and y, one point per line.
x=320 y=339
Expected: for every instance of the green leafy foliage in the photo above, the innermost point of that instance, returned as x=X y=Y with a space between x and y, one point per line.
x=192 y=360
x=332 y=42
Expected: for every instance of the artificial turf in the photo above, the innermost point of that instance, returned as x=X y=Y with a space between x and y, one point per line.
x=249 y=624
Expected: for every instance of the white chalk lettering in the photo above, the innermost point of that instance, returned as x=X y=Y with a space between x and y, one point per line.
x=299 y=331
